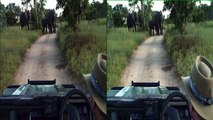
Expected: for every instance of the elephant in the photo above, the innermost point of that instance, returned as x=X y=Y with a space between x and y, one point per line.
x=131 y=21
x=156 y=24
x=44 y=25
x=24 y=19
x=49 y=21
x=159 y=23
x=151 y=27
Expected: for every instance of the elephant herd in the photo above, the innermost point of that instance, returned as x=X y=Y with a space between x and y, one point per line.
x=155 y=25
x=48 y=22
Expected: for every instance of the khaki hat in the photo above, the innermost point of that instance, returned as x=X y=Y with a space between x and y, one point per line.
x=96 y=81
x=199 y=87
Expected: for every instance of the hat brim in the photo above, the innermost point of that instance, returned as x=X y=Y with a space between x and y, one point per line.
x=98 y=100
x=205 y=111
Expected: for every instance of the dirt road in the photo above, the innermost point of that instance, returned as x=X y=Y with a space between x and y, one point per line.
x=149 y=63
x=44 y=61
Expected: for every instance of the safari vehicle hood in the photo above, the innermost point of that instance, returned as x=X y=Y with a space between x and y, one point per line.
x=137 y=92
x=37 y=88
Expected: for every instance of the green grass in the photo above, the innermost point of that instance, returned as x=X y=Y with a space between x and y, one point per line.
x=81 y=49
x=184 y=49
x=120 y=46
x=13 y=44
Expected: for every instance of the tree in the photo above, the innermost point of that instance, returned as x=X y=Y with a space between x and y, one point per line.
x=119 y=14
x=36 y=17
x=37 y=11
x=95 y=10
x=3 y=19
x=109 y=16
x=198 y=15
x=144 y=12
x=147 y=13
x=210 y=15
x=73 y=10
x=12 y=11
x=181 y=12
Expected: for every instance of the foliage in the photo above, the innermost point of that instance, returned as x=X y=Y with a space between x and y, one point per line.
x=120 y=45
x=12 y=11
x=110 y=22
x=3 y=19
x=199 y=15
x=202 y=13
x=183 y=49
x=96 y=10
x=81 y=49
x=208 y=10
x=14 y=43
x=119 y=14
x=144 y=12
x=37 y=11
x=40 y=13
x=181 y=12
x=73 y=10
x=147 y=13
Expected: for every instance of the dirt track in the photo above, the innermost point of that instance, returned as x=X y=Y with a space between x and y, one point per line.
x=149 y=63
x=44 y=61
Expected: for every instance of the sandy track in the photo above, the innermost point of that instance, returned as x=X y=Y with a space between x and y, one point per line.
x=149 y=63
x=44 y=61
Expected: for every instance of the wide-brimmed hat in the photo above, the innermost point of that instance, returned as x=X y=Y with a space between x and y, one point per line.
x=96 y=81
x=199 y=87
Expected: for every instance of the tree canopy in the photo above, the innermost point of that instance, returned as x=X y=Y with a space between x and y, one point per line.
x=73 y=11
x=96 y=10
x=3 y=19
x=12 y=11
x=181 y=12
x=144 y=12
x=119 y=14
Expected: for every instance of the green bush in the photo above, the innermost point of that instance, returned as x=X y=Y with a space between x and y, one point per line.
x=81 y=49
x=183 y=49
x=120 y=46
x=13 y=45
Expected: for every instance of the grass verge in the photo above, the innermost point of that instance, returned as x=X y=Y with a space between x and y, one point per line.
x=13 y=45
x=183 y=49
x=81 y=49
x=120 y=46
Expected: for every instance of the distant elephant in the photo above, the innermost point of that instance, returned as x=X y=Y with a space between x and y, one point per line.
x=24 y=19
x=131 y=21
x=156 y=24
x=151 y=27
x=51 y=21
x=159 y=23
x=44 y=25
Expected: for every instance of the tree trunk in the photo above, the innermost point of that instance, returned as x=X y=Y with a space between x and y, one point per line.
x=36 y=13
x=142 y=8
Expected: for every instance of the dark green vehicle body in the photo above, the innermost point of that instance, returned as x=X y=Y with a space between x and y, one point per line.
x=36 y=90
x=140 y=101
x=37 y=100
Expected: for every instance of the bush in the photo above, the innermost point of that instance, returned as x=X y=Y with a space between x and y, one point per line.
x=184 y=48
x=81 y=48
x=120 y=46
x=13 y=45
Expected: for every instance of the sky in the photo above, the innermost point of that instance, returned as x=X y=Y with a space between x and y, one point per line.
x=157 y=6
x=50 y=4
